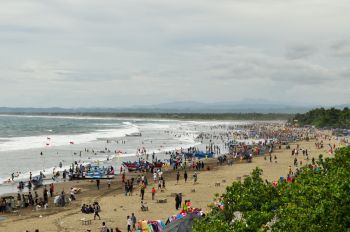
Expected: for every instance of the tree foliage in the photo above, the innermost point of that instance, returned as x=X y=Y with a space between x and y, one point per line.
x=317 y=200
x=321 y=117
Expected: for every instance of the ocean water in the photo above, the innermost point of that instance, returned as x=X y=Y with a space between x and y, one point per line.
x=65 y=139
x=40 y=143
x=25 y=132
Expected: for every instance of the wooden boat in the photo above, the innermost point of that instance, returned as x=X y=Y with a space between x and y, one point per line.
x=200 y=155
x=138 y=166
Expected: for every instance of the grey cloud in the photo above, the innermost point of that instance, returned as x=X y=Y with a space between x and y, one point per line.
x=341 y=48
x=245 y=64
x=300 y=51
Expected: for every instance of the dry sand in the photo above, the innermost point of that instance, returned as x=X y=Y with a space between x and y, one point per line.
x=115 y=206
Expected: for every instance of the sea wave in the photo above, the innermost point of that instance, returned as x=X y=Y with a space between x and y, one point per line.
x=43 y=141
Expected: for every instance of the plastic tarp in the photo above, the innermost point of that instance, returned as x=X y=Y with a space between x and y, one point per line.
x=182 y=225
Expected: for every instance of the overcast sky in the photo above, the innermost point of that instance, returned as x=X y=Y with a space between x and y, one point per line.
x=110 y=53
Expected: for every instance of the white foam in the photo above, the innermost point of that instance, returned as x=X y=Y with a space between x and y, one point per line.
x=31 y=142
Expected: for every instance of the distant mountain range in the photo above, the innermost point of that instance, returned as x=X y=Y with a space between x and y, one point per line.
x=247 y=106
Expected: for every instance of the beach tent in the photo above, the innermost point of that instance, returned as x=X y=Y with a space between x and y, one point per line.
x=182 y=225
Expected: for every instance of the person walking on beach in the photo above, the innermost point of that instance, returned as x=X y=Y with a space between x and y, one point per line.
x=98 y=184
x=96 y=211
x=177 y=177
x=185 y=176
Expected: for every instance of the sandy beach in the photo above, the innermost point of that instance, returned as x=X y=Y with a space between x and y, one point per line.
x=116 y=206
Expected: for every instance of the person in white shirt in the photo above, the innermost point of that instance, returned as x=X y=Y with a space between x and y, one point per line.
x=154 y=177
x=129 y=222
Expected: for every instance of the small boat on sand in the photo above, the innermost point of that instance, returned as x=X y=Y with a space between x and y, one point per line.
x=37 y=181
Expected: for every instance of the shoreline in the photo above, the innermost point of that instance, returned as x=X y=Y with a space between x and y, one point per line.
x=115 y=206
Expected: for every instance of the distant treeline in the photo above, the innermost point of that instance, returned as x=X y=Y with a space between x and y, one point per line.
x=325 y=118
x=180 y=116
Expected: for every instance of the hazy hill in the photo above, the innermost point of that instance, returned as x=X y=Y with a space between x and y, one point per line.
x=247 y=106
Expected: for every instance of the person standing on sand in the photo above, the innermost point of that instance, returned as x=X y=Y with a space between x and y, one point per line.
x=153 y=193
x=129 y=223
x=51 y=189
x=154 y=177
x=185 y=176
x=177 y=177
x=133 y=219
x=126 y=188
x=123 y=177
x=64 y=175
x=142 y=191
x=104 y=227
x=45 y=195
x=177 y=202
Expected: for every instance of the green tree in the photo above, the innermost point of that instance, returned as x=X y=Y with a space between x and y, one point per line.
x=317 y=200
x=332 y=118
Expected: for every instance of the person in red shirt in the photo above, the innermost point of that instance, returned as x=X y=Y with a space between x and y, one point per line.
x=153 y=193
